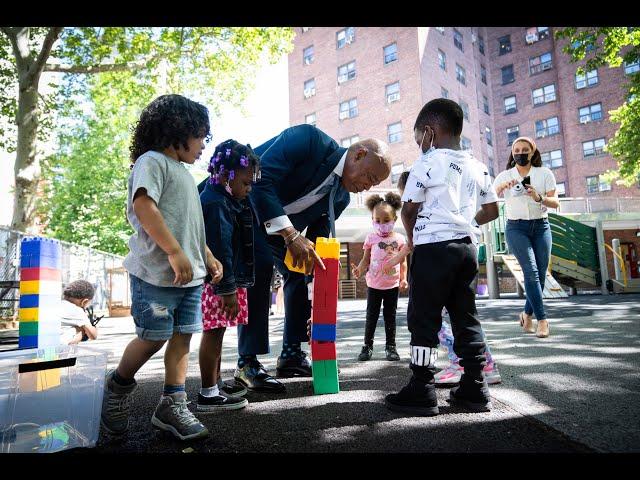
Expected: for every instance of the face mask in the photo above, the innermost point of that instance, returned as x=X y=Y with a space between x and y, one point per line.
x=383 y=229
x=521 y=159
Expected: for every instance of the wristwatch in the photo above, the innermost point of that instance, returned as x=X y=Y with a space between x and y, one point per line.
x=542 y=198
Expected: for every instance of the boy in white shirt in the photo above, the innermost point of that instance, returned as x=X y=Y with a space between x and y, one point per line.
x=76 y=297
x=444 y=191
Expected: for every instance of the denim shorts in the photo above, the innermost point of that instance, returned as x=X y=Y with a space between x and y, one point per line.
x=159 y=312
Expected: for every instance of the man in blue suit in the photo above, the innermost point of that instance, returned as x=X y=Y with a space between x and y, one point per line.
x=305 y=183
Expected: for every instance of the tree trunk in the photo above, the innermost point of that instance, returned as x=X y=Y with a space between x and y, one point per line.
x=27 y=167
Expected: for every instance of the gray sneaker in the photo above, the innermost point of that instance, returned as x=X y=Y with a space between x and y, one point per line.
x=116 y=404
x=173 y=415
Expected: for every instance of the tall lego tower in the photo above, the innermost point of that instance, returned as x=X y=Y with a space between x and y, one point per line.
x=324 y=316
x=40 y=293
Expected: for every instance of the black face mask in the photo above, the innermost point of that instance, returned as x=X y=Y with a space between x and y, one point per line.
x=521 y=159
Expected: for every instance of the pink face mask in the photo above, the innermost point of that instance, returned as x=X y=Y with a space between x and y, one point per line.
x=383 y=229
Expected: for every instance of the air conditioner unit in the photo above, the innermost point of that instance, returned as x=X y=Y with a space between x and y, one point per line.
x=342 y=78
x=531 y=38
x=349 y=40
x=307 y=60
x=473 y=38
x=393 y=97
x=585 y=120
x=343 y=115
x=309 y=92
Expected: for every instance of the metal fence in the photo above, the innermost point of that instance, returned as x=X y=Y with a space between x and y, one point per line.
x=78 y=262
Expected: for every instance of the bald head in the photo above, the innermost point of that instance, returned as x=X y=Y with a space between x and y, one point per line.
x=367 y=164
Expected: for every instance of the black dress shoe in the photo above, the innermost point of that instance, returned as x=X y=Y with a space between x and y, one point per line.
x=297 y=364
x=255 y=378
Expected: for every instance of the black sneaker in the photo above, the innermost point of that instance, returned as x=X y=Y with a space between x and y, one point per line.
x=472 y=394
x=366 y=353
x=417 y=398
x=232 y=389
x=220 y=402
x=391 y=353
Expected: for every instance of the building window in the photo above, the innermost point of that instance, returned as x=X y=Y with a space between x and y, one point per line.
x=444 y=93
x=346 y=72
x=593 y=147
x=540 y=63
x=586 y=80
x=597 y=184
x=510 y=105
x=461 y=74
x=394 y=132
x=457 y=40
x=547 y=127
x=347 y=142
x=590 y=113
x=481 y=44
x=483 y=74
x=442 y=60
x=512 y=134
x=465 y=143
x=633 y=67
x=392 y=92
x=552 y=159
x=465 y=109
x=396 y=171
x=348 y=109
x=440 y=29
x=507 y=74
x=305 y=29
x=544 y=95
x=307 y=55
x=561 y=189
x=488 y=135
x=310 y=119
x=535 y=34
x=504 y=44
x=390 y=53
x=485 y=104
x=345 y=37
x=309 y=88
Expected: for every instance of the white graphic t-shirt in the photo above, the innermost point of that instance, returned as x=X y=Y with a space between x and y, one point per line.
x=450 y=185
x=519 y=205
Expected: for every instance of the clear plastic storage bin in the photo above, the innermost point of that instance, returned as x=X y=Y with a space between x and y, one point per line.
x=50 y=399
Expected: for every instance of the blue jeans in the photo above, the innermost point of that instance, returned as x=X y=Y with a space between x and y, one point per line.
x=530 y=242
x=159 y=312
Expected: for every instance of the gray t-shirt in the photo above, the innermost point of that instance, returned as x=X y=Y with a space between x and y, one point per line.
x=174 y=190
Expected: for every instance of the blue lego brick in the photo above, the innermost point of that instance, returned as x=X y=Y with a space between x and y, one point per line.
x=35 y=300
x=43 y=247
x=28 y=341
x=32 y=261
x=323 y=332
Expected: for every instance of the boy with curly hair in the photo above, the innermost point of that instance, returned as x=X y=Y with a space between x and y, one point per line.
x=167 y=263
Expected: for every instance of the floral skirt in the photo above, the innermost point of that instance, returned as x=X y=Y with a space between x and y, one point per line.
x=213 y=315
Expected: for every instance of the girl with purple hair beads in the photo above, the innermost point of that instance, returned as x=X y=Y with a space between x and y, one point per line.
x=228 y=218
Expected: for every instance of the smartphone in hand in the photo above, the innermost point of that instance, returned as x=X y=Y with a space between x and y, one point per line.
x=526 y=181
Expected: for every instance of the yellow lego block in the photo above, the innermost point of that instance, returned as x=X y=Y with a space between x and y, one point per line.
x=328 y=247
x=42 y=287
x=288 y=261
x=29 y=314
x=39 y=381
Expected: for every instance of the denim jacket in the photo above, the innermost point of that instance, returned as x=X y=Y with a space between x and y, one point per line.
x=229 y=229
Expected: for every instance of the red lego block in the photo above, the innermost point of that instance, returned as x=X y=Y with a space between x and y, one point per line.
x=325 y=292
x=323 y=350
x=41 y=273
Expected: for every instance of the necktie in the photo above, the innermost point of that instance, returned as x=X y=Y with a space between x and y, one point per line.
x=335 y=183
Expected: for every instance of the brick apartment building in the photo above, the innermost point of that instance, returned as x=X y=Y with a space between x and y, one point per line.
x=358 y=82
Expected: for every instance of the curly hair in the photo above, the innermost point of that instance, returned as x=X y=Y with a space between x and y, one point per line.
x=169 y=120
x=230 y=156
x=80 y=289
x=392 y=199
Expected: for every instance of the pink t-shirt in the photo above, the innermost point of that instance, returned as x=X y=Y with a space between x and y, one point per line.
x=383 y=248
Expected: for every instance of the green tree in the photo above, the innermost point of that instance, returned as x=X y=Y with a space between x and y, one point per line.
x=611 y=46
x=214 y=64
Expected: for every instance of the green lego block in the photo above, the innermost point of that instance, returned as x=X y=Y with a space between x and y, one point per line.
x=325 y=376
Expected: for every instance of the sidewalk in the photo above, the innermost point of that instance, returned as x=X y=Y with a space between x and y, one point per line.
x=576 y=391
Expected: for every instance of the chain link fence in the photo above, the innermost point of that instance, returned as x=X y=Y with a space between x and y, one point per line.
x=78 y=262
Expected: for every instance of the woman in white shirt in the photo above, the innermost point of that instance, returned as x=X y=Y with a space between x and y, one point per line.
x=529 y=189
